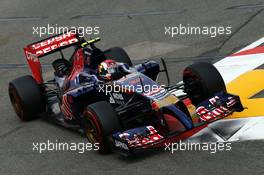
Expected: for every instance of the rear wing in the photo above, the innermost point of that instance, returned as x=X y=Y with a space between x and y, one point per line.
x=45 y=47
x=53 y=44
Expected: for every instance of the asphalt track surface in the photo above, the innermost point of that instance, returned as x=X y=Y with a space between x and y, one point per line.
x=137 y=26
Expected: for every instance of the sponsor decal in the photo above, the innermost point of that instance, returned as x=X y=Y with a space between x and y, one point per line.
x=51 y=44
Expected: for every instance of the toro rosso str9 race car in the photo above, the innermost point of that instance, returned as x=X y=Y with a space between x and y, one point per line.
x=117 y=104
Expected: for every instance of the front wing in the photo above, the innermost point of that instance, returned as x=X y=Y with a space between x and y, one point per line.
x=145 y=138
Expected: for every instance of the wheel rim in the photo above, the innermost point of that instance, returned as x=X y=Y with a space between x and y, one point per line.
x=93 y=131
x=16 y=102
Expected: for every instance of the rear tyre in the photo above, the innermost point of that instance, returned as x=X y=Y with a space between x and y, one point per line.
x=26 y=97
x=118 y=54
x=201 y=81
x=100 y=121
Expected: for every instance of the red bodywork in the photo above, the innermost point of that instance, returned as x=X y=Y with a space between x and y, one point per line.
x=44 y=47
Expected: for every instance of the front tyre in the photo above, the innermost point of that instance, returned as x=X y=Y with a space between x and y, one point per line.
x=26 y=97
x=100 y=122
x=201 y=81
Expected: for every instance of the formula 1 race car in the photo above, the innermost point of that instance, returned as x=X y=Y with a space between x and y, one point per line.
x=117 y=105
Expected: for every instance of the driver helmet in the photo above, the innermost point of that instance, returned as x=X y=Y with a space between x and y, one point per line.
x=107 y=69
